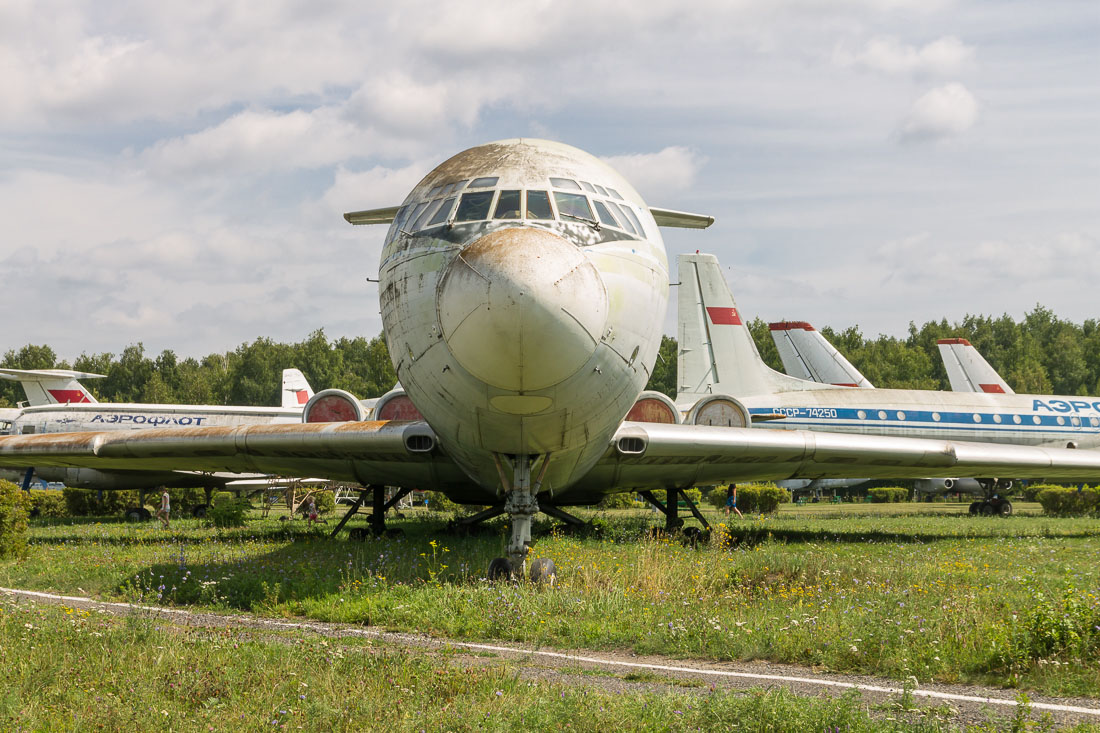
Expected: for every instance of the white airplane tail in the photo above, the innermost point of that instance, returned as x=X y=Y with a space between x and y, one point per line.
x=717 y=354
x=296 y=390
x=968 y=370
x=807 y=354
x=52 y=386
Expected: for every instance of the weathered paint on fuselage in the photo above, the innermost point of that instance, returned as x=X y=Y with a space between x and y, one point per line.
x=1044 y=420
x=567 y=315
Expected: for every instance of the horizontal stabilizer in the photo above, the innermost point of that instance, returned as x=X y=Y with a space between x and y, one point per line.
x=372 y=216
x=52 y=386
x=681 y=219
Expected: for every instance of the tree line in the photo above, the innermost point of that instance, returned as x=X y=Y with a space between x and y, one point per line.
x=1041 y=354
x=249 y=375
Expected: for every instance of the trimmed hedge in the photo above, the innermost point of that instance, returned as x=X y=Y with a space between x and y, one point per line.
x=47 y=503
x=1060 y=501
x=887 y=494
x=1031 y=491
x=87 y=502
x=14 y=504
x=755 y=498
x=621 y=500
x=228 y=513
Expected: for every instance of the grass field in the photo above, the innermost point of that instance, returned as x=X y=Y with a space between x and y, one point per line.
x=892 y=590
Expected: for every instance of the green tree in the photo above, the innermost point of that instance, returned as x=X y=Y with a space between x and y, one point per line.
x=663 y=378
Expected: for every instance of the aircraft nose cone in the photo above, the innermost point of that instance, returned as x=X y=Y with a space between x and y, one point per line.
x=522 y=309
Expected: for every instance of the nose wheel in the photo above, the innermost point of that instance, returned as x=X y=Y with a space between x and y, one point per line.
x=521 y=505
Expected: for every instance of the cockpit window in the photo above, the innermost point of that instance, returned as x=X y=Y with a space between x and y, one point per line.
x=459 y=186
x=573 y=206
x=442 y=212
x=538 y=205
x=485 y=182
x=474 y=206
x=412 y=213
x=447 y=189
x=605 y=215
x=633 y=219
x=508 y=205
x=588 y=187
x=600 y=189
x=566 y=183
x=622 y=217
x=425 y=215
x=615 y=193
x=435 y=191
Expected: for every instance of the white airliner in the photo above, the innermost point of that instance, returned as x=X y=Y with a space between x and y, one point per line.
x=807 y=354
x=61 y=404
x=522 y=286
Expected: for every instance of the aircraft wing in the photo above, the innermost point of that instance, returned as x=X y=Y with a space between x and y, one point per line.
x=642 y=455
x=390 y=453
x=660 y=456
x=683 y=219
x=373 y=216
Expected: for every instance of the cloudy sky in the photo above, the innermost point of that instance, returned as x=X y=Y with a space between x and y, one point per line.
x=174 y=173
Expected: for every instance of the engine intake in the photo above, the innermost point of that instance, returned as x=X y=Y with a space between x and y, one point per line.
x=654 y=407
x=719 y=410
x=333 y=405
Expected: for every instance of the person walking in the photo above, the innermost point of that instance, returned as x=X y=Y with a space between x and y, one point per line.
x=312 y=511
x=165 y=508
x=731 y=501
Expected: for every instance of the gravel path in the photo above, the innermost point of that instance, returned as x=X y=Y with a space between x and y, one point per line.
x=623 y=671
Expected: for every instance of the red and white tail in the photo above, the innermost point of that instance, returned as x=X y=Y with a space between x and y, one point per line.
x=717 y=354
x=296 y=390
x=968 y=370
x=807 y=354
x=52 y=386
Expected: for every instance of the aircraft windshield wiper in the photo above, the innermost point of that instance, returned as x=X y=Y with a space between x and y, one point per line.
x=590 y=222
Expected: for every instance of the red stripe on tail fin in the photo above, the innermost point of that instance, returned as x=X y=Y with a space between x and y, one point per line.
x=72 y=396
x=724 y=316
x=992 y=388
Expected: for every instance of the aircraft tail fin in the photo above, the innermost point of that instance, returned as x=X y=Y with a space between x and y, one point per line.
x=296 y=390
x=52 y=386
x=807 y=354
x=968 y=370
x=717 y=354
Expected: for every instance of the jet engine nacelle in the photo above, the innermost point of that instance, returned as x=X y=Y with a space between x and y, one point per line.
x=396 y=405
x=719 y=410
x=333 y=405
x=654 y=407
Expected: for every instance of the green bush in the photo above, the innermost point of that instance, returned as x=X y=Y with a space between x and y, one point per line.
x=755 y=498
x=326 y=501
x=621 y=500
x=47 y=503
x=228 y=513
x=1031 y=491
x=88 y=503
x=696 y=495
x=887 y=494
x=221 y=497
x=14 y=503
x=1060 y=501
x=438 y=502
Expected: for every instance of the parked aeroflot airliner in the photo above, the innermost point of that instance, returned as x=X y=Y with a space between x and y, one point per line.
x=61 y=404
x=747 y=389
x=522 y=286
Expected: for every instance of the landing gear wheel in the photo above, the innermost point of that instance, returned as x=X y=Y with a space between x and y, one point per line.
x=1005 y=509
x=543 y=571
x=975 y=506
x=499 y=569
x=986 y=509
x=199 y=511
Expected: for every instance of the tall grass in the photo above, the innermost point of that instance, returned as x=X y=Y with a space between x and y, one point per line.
x=1012 y=602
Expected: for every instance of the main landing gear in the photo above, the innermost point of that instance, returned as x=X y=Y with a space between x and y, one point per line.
x=521 y=505
x=993 y=504
x=673 y=523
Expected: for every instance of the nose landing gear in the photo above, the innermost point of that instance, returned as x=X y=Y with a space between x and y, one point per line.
x=521 y=505
x=993 y=504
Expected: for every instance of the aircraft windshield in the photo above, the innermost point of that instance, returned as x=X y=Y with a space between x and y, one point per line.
x=573 y=205
x=605 y=215
x=443 y=212
x=566 y=183
x=508 y=205
x=474 y=206
x=538 y=205
x=485 y=182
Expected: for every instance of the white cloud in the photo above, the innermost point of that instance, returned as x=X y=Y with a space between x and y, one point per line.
x=940 y=113
x=656 y=175
x=946 y=56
